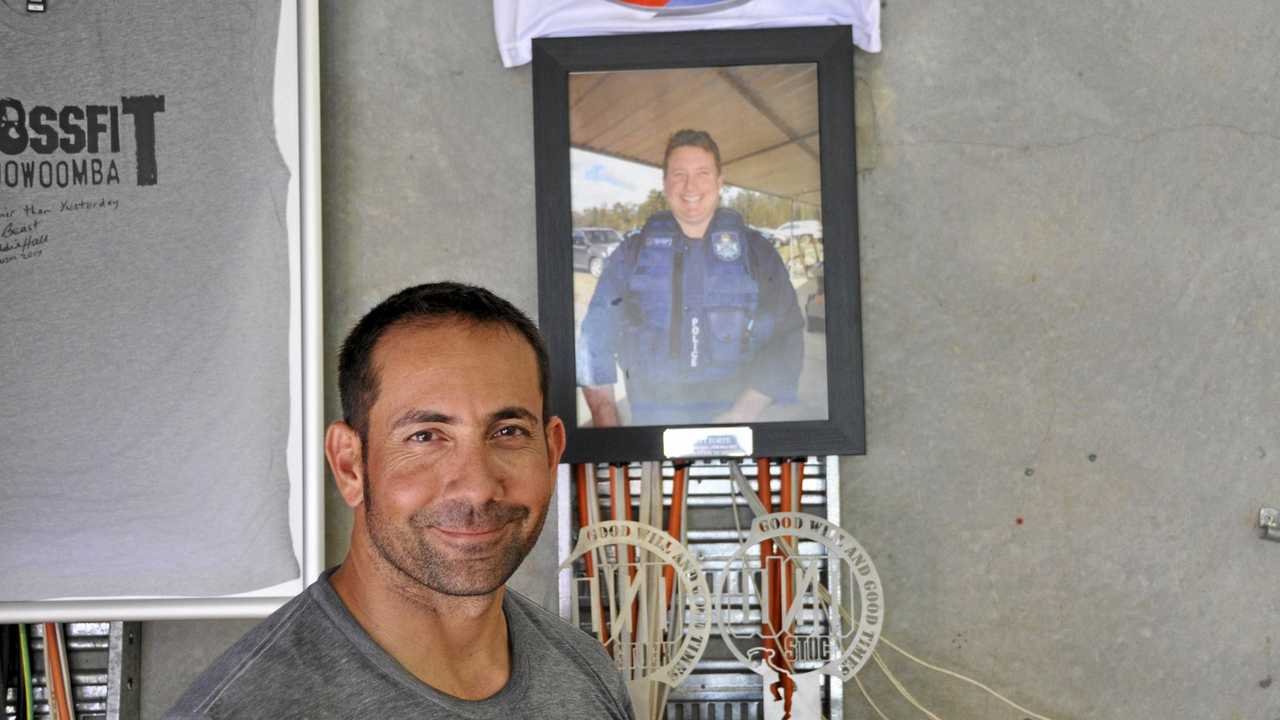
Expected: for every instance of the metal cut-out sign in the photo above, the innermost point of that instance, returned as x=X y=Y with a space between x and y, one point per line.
x=653 y=609
x=797 y=601
x=801 y=629
x=650 y=603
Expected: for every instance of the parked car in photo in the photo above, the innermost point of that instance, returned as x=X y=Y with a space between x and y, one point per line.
x=803 y=230
x=591 y=245
x=803 y=240
x=768 y=234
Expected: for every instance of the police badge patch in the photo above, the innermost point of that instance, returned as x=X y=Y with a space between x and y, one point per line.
x=727 y=246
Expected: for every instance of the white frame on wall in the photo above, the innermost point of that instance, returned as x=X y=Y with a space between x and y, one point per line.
x=297 y=114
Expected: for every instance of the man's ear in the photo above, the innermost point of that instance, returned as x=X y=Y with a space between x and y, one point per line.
x=555 y=442
x=345 y=453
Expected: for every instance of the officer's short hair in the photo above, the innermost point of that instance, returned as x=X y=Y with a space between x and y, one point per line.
x=691 y=138
x=432 y=302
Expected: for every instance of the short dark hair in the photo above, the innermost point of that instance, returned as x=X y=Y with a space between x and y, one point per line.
x=431 y=302
x=691 y=138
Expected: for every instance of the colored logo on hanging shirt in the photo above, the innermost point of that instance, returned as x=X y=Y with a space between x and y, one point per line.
x=76 y=145
x=679 y=7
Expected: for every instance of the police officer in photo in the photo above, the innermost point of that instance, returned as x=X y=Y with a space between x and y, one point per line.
x=698 y=310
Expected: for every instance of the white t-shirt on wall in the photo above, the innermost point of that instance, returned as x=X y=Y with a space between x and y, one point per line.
x=517 y=22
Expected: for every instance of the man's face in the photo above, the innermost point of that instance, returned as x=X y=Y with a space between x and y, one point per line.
x=459 y=467
x=692 y=186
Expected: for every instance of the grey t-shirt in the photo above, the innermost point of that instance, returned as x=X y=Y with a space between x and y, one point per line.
x=144 y=301
x=311 y=659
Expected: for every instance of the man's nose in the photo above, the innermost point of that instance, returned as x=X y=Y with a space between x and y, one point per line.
x=475 y=476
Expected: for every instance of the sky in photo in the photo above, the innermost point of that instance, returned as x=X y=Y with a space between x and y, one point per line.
x=599 y=179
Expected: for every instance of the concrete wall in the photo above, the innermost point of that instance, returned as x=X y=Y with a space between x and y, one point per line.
x=1070 y=260
x=1070 y=248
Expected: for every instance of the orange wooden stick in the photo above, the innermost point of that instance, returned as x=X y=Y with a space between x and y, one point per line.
x=788 y=689
x=787 y=501
x=676 y=518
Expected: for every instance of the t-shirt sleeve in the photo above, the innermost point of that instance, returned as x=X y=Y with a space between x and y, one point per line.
x=624 y=697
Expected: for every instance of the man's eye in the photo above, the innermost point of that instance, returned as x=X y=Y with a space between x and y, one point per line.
x=422 y=436
x=511 y=431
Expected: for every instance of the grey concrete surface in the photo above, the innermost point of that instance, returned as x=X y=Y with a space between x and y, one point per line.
x=1070 y=224
x=1069 y=246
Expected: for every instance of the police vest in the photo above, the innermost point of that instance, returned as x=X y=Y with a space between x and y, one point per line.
x=691 y=305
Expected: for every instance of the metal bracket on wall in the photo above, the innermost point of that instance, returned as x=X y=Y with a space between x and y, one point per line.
x=1269 y=523
x=124 y=662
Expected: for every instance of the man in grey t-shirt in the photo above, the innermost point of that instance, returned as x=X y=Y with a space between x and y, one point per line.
x=447 y=456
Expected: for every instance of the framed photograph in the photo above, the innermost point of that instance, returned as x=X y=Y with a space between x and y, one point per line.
x=697 y=243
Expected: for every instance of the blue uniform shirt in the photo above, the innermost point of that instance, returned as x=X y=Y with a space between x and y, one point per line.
x=693 y=322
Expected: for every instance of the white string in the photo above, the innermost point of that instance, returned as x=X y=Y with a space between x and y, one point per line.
x=969 y=680
x=867 y=696
x=902 y=689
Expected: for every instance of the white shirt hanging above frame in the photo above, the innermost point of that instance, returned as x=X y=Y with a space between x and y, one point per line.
x=517 y=22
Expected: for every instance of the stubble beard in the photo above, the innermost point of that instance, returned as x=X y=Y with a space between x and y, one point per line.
x=408 y=549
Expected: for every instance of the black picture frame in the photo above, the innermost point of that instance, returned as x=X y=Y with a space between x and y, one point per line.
x=554 y=59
